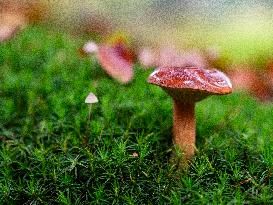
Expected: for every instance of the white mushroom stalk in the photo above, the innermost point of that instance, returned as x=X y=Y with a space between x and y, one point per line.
x=90 y=99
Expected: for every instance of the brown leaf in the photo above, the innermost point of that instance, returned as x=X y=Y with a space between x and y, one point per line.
x=94 y=24
x=135 y=154
x=12 y=20
x=244 y=182
x=36 y=11
x=117 y=61
x=247 y=79
x=7 y=32
x=3 y=138
x=269 y=72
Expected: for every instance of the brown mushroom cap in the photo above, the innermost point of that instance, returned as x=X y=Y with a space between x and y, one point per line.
x=191 y=82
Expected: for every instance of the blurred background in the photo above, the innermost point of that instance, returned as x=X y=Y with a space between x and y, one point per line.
x=241 y=29
x=234 y=36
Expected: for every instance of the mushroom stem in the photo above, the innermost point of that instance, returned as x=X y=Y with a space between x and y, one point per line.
x=184 y=127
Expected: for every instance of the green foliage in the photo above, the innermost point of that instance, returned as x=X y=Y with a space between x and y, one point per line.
x=50 y=153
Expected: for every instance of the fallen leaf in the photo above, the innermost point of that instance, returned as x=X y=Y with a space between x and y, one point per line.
x=117 y=61
x=2 y=138
x=94 y=24
x=7 y=32
x=247 y=79
x=244 y=181
x=269 y=72
x=36 y=11
x=135 y=154
x=12 y=20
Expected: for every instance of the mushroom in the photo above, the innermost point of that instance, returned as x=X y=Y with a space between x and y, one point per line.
x=90 y=47
x=90 y=99
x=188 y=85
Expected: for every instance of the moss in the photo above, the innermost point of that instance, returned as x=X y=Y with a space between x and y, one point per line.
x=50 y=154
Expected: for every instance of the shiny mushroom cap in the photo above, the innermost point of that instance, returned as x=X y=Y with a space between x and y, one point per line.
x=191 y=83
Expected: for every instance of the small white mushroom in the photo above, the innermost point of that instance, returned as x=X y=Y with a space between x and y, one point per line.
x=90 y=47
x=90 y=99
